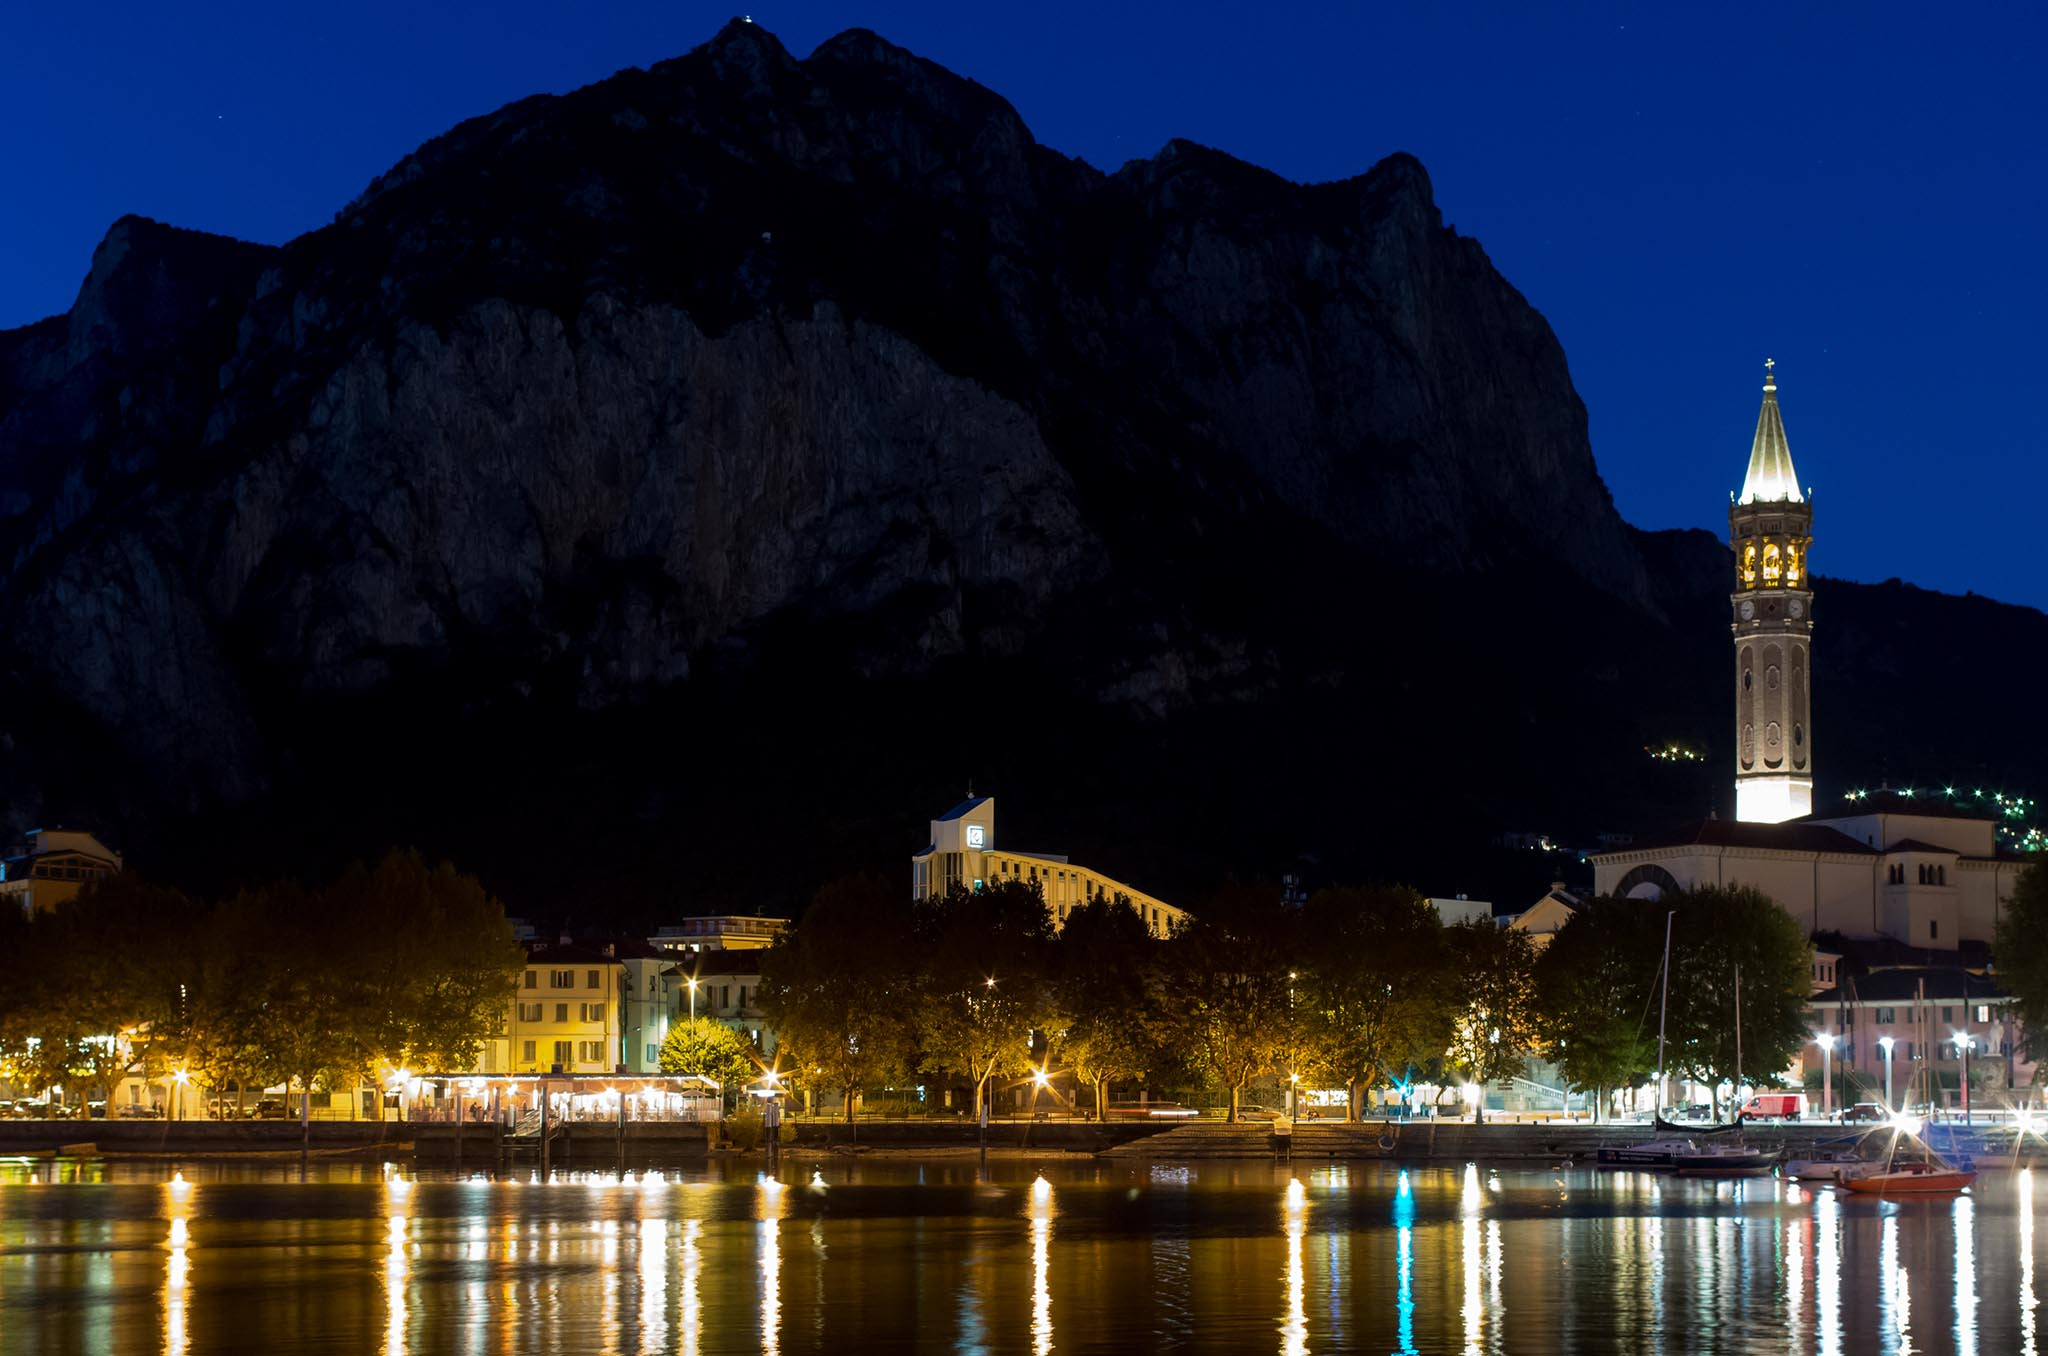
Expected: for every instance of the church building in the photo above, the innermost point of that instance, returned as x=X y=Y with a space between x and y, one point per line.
x=1922 y=876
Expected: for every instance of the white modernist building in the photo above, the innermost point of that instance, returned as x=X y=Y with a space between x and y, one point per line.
x=963 y=852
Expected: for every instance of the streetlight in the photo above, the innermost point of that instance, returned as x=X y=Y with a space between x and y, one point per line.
x=1826 y=1041
x=693 y=998
x=178 y=1096
x=1963 y=1041
x=1886 y=1043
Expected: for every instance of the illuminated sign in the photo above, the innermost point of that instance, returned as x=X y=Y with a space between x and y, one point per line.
x=976 y=836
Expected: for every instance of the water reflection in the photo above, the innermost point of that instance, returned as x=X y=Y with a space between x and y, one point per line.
x=177 y=1267
x=1827 y=1274
x=395 y=1266
x=1897 y=1306
x=1294 y=1325
x=1470 y=1200
x=1041 y=1260
x=2026 y=1213
x=769 y=1209
x=1404 y=1264
x=653 y=1284
x=1966 y=1276
x=692 y=1316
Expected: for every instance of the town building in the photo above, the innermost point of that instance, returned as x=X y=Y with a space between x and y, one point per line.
x=724 y=986
x=963 y=851
x=1929 y=1007
x=1921 y=875
x=1452 y=912
x=564 y=1014
x=51 y=866
x=1770 y=527
x=724 y=932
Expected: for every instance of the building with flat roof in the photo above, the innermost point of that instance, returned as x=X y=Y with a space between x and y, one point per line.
x=963 y=852
x=724 y=932
x=51 y=866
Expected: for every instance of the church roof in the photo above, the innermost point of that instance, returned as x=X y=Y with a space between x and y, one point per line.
x=1793 y=836
x=1771 y=478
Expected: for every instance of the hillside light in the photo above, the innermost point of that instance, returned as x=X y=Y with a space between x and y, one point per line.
x=1885 y=1043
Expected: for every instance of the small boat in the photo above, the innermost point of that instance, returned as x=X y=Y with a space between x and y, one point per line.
x=1651 y=1154
x=1903 y=1178
x=1725 y=1160
x=1825 y=1160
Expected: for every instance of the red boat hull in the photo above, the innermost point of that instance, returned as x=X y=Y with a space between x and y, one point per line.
x=1900 y=1183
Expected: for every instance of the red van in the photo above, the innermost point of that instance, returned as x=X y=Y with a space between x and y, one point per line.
x=1774 y=1106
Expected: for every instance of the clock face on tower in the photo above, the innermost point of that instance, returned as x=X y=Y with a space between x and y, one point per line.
x=1748 y=609
x=1796 y=607
x=976 y=836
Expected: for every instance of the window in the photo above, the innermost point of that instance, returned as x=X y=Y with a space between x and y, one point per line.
x=561 y=1012
x=594 y=981
x=743 y=995
x=1941 y=874
x=561 y=979
x=529 y=1012
x=562 y=1049
x=1948 y=1015
x=654 y=1054
x=1983 y=1013
x=1885 y=1016
x=532 y=979
x=526 y=1051
x=1934 y=934
x=589 y=1052
x=590 y=1012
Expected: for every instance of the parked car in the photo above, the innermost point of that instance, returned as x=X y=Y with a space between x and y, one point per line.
x=1865 y=1111
x=268 y=1109
x=1774 y=1106
x=1253 y=1111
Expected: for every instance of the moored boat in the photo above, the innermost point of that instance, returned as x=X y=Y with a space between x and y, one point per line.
x=1651 y=1154
x=1904 y=1178
x=1725 y=1161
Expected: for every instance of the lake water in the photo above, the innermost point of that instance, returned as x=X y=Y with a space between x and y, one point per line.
x=945 y=1256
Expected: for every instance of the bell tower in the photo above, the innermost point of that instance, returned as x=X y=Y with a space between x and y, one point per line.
x=1770 y=525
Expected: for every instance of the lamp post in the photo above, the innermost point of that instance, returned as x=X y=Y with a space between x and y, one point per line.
x=693 y=999
x=1963 y=1041
x=1885 y=1044
x=1826 y=1041
x=178 y=1080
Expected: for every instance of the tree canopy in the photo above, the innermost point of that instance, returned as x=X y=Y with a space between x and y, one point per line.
x=2020 y=949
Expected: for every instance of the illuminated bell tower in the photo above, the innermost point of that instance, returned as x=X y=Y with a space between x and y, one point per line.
x=1770 y=525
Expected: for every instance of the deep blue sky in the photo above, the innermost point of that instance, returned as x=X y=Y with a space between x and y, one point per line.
x=1858 y=191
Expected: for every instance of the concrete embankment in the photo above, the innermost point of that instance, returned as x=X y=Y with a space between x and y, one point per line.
x=226 y=1138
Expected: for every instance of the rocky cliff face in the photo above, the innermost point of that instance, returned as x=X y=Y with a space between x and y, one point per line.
x=596 y=391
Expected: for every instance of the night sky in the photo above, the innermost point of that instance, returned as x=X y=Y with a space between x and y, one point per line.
x=1858 y=193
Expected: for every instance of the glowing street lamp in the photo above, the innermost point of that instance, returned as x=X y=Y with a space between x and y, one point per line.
x=1885 y=1043
x=1826 y=1041
x=693 y=997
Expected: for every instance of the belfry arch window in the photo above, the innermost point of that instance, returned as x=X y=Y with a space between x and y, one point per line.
x=1774 y=569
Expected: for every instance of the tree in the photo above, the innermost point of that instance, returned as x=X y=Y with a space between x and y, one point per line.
x=2020 y=950
x=1495 y=1031
x=1595 y=986
x=1374 y=992
x=710 y=1048
x=985 y=982
x=1718 y=929
x=1102 y=988
x=839 y=988
x=1225 y=997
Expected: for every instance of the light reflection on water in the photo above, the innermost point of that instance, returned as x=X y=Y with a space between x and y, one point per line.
x=1098 y=1256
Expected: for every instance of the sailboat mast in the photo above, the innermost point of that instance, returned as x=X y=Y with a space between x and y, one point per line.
x=1736 y=1093
x=1664 y=1008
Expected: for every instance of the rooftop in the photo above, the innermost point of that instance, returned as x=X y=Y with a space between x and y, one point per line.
x=965 y=807
x=1771 y=478
x=1792 y=836
x=1945 y=983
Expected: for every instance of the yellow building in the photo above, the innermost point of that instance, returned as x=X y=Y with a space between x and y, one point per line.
x=52 y=866
x=963 y=852
x=564 y=1016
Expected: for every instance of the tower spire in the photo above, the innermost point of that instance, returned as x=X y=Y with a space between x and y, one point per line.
x=1771 y=478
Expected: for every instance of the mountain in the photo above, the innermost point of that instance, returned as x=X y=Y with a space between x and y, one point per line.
x=666 y=495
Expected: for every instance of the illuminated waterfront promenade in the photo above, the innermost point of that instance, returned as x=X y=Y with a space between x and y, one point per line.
x=1016 y=1257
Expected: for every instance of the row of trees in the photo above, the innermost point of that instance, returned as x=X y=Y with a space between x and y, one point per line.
x=400 y=964
x=1355 y=989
